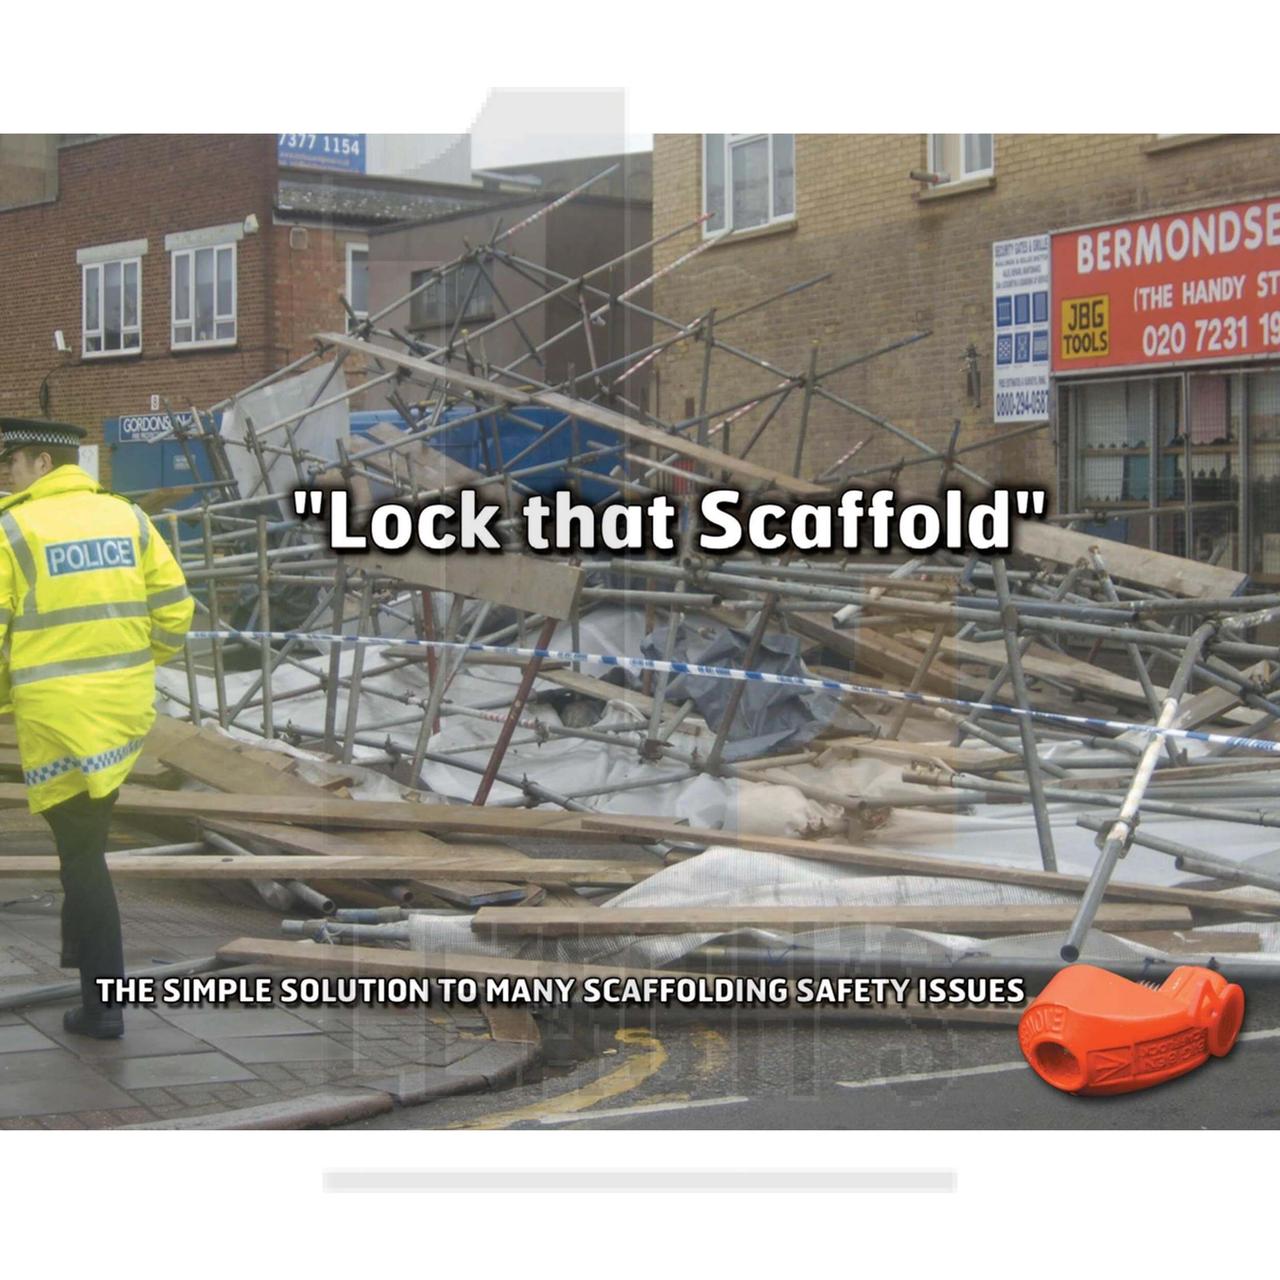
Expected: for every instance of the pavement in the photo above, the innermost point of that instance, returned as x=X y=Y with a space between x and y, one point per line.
x=217 y=1067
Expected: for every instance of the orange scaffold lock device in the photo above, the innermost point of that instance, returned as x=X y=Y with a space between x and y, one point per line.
x=1090 y=1031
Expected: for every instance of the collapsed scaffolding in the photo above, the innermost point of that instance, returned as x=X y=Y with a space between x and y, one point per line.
x=1074 y=674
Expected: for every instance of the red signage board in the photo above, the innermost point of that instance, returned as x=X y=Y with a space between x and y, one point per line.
x=1180 y=289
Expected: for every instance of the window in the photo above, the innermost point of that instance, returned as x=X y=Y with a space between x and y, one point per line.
x=464 y=292
x=962 y=155
x=1160 y=460
x=112 y=307
x=357 y=290
x=204 y=296
x=748 y=180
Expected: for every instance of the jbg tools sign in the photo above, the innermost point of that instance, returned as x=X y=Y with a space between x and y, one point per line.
x=1020 y=286
x=1195 y=286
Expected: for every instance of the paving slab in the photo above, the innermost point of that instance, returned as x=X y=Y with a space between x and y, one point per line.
x=211 y=1024
x=173 y=1069
x=314 y=1048
x=147 y=1042
x=46 y=929
x=23 y=1039
x=446 y=1053
x=48 y=1018
x=50 y=1083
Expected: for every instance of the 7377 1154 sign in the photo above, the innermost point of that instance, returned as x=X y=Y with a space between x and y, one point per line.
x=342 y=151
x=1181 y=288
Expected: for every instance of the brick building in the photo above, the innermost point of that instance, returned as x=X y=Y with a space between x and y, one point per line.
x=178 y=268
x=1180 y=449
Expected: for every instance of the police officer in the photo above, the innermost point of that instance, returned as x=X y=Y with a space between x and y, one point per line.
x=90 y=600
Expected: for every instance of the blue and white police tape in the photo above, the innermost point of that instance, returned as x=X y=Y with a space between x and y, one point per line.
x=762 y=677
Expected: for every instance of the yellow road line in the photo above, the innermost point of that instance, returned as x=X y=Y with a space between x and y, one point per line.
x=713 y=1052
x=634 y=1071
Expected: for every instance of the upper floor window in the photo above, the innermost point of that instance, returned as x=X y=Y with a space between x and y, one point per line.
x=464 y=293
x=962 y=155
x=357 y=291
x=112 y=307
x=204 y=296
x=748 y=180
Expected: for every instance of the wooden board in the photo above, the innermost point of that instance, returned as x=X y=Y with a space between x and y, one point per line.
x=207 y=756
x=212 y=758
x=328 y=811
x=23 y=832
x=712 y=460
x=1194 y=942
x=574 y=871
x=459 y=890
x=1121 y=780
x=557 y=922
x=1212 y=704
x=278 y=835
x=1071 y=671
x=1215 y=703
x=962 y=759
x=891 y=658
x=158 y=500
x=529 y=583
x=473 y=894
x=1256 y=905
x=1131 y=564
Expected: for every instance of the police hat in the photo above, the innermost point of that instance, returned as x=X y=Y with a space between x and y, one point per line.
x=17 y=432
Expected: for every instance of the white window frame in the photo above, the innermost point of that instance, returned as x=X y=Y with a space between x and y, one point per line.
x=189 y=253
x=99 y=266
x=732 y=140
x=968 y=175
x=352 y=248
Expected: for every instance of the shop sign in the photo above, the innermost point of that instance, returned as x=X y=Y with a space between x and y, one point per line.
x=1020 y=344
x=1179 y=289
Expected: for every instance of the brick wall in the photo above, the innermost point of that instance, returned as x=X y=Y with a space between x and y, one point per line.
x=311 y=271
x=904 y=264
x=132 y=187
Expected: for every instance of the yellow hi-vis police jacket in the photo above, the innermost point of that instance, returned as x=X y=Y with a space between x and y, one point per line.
x=91 y=599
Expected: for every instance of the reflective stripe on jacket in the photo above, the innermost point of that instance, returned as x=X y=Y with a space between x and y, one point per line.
x=91 y=599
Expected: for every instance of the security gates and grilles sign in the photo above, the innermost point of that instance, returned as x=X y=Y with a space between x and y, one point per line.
x=1020 y=285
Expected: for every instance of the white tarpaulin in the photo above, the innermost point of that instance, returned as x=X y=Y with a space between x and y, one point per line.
x=318 y=433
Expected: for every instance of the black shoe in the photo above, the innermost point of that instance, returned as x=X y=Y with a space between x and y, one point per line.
x=108 y=1025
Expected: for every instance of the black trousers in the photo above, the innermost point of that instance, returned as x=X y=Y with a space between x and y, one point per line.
x=90 y=917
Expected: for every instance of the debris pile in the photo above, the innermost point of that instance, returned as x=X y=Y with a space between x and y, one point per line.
x=525 y=764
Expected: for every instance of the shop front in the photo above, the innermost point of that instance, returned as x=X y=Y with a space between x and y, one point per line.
x=1166 y=370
